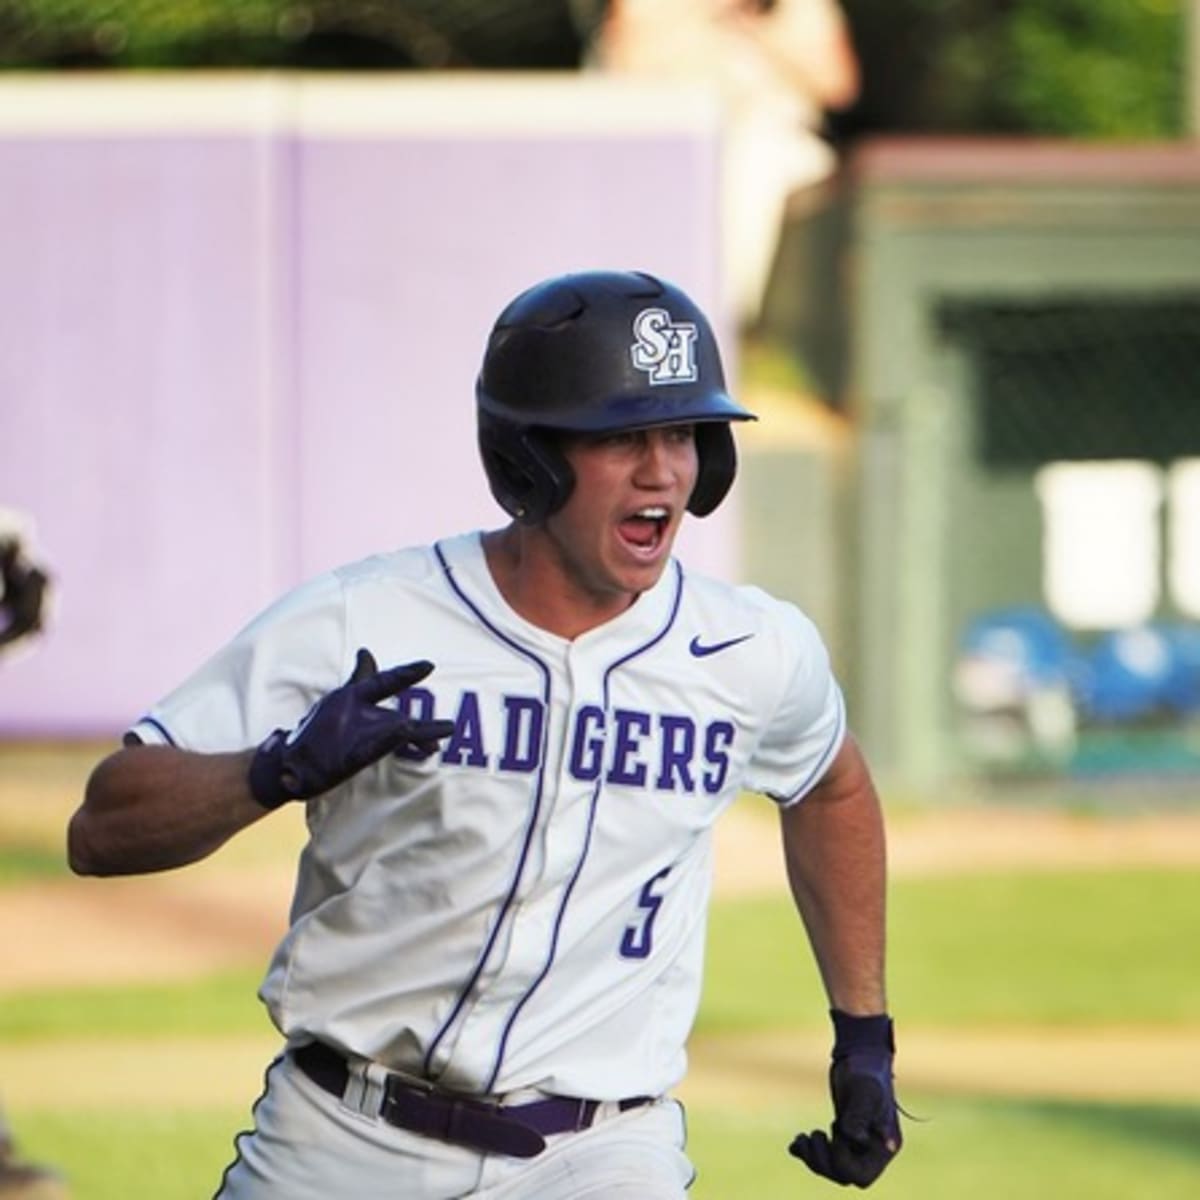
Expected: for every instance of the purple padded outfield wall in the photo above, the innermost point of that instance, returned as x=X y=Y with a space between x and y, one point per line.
x=240 y=321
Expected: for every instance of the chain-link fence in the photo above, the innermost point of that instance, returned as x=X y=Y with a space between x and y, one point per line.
x=1101 y=377
x=1074 y=532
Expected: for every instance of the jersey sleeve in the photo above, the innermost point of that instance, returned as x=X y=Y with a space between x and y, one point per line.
x=808 y=726
x=266 y=678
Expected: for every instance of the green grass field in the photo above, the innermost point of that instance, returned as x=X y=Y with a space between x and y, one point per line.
x=984 y=1149
x=1089 y=958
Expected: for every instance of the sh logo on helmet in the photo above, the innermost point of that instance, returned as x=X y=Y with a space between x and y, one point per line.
x=664 y=350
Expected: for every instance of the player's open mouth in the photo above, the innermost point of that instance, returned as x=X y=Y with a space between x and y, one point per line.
x=643 y=530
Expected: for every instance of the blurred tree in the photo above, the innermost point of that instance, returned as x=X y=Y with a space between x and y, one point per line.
x=344 y=34
x=1087 y=68
x=1112 y=68
x=1098 y=68
x=99 y=33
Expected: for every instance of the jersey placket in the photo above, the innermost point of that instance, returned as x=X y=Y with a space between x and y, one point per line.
x=524 y=952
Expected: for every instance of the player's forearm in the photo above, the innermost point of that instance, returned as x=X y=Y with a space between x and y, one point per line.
x=150 y=808
x=836 y=860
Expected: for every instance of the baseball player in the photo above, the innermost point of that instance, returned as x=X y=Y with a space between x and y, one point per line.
x=495 y=949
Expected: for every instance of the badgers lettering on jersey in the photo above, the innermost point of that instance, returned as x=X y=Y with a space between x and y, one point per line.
x=668 y=752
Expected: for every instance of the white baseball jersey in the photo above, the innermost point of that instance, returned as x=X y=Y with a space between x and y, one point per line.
x=525 y=908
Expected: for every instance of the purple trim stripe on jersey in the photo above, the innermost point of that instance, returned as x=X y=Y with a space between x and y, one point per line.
x=822 y=764
x=587 y=840
x=510 y=897
x=157 y=725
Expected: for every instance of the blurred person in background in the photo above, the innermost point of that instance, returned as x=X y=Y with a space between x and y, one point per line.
x=779 y=66
x=22 y=605
x=24 y=1181
x=23 y=584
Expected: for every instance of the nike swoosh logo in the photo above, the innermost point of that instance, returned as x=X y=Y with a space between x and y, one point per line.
x=701 y=649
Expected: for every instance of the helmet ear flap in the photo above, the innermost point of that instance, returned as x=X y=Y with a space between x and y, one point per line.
x=717 y=456
x=526 y=471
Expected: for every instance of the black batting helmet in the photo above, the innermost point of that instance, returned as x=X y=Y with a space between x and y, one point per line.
x=598 y=352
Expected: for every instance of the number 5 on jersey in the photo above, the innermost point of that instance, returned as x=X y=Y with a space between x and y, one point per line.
x=637 y=940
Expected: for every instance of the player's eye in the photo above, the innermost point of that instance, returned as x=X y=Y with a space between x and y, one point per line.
x=620 y=437
x=681 y=434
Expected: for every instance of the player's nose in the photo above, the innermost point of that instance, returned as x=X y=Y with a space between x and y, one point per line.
x=664 y=458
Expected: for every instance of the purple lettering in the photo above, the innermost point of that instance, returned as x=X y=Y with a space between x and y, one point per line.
x=464 y=747
x=631 y=728
x=587 y=746
x=522 y=733
x=718 y=737
x=678 y=747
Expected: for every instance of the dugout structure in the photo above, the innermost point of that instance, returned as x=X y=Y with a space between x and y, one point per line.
x=1007 y=305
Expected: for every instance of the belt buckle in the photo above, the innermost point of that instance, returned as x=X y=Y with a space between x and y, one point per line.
x=412 y=1083
x=400 y=1090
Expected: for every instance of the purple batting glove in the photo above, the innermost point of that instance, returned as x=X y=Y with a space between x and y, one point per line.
x=866 y=1129
x=343 y=732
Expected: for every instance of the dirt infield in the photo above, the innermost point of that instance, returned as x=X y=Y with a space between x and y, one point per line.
x=957 y=840
x=230 y=910
x=746 y=1071
x=225 y=912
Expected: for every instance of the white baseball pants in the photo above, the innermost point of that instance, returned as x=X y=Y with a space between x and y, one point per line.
x=308 y=1145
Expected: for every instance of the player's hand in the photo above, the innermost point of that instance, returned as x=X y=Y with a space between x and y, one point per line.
x=866 y=1129
x=343 y=732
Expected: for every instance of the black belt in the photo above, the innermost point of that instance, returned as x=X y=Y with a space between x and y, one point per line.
x=519 y=1130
